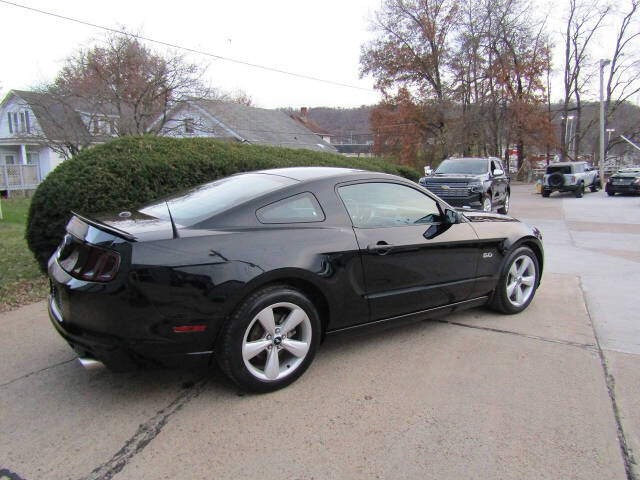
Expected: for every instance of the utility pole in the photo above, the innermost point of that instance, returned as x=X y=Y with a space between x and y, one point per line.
x=603 y=63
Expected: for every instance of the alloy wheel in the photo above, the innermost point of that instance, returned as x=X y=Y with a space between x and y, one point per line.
x=277 y=341
x=486 y=204
x=521 y=280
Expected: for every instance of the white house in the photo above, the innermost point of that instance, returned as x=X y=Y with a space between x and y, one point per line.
x=31 y=123
x=20 y=145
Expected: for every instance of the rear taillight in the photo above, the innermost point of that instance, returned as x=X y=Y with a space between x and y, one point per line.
x=88 y=262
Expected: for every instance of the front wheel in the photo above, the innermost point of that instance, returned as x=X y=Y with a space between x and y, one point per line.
x=594 y=185
x=580 y=190
x=610 y=193
x=518 y=282
x=505 y=208
x=270 y=340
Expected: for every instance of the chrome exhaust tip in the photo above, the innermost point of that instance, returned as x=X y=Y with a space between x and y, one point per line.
x=91 y=364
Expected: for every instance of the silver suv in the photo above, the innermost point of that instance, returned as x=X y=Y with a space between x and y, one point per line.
x=570 y=177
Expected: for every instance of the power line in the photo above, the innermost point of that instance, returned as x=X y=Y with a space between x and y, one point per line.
x=187 y=49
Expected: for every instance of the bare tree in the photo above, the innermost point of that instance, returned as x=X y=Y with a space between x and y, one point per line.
x=583 y=20
x=123 y=75
x=118 y=87
x=622 y=81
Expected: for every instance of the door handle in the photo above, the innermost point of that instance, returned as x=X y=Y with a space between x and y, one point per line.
x=381 y=248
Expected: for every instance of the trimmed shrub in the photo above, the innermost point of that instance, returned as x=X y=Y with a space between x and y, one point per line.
x=128 y=172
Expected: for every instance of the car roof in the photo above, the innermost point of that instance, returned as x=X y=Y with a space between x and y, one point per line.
x=303 y=174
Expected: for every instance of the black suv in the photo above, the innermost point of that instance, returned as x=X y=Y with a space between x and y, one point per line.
x=478 y=183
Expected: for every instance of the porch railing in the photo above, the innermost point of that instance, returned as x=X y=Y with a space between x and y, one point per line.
x=19 y=177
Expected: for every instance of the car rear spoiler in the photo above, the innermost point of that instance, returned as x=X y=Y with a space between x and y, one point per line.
x=104 y=227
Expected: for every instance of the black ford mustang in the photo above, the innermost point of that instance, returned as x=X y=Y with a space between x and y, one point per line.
x=254 y=269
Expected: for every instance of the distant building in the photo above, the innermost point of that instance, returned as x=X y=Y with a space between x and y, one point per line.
x=351 y=145
x=311 y=125
x=241 y=123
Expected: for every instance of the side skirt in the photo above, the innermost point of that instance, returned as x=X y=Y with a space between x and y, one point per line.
x=413 y=317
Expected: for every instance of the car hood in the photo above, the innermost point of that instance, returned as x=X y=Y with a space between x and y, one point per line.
x=626 y=175
x=479 y=216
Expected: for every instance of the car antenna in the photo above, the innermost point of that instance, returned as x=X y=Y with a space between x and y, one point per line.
x=173 y=224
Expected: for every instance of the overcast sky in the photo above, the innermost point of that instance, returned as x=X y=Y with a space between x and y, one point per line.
x=319 y=39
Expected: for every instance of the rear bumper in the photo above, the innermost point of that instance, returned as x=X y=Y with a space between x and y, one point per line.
x=109 y=351
x=562 y=188
x=118 y=354
x=118 y=329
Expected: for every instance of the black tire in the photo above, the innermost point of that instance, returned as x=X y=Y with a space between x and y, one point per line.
x=610 y=193
x=594 y=185
x=500 y=299
x=504 y=209
x=545 y=193
x=580 y=190
x=244 y=323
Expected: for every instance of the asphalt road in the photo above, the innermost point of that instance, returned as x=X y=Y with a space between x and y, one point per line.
x=551 y=393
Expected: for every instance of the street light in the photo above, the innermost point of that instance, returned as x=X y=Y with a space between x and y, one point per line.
x=610 y=131
x=603 y=63
x=567 y=130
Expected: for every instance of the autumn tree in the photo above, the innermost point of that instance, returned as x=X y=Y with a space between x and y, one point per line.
x=522 y=57
x=408 y=60
x=458 y=76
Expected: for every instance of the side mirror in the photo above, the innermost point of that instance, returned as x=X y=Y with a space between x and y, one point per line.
x=497 y=172
x=449 y=218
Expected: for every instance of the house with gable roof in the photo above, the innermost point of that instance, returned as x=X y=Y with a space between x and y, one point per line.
x=241 y=123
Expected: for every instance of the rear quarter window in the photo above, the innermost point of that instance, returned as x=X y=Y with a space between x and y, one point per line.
x=301 y=208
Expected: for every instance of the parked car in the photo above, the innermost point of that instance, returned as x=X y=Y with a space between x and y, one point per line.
x=570 y=177
x=624 y=181
x=477 y=183
x=253 y=270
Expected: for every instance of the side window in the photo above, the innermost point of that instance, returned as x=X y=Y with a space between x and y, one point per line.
x=372 y=205
x=302 y=208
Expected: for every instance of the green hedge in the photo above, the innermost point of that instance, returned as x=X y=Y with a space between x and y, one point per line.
x=128 y=172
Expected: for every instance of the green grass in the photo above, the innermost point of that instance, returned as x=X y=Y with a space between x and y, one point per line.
x=21 y=281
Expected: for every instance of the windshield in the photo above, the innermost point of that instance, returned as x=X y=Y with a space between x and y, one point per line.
x=206 y=200
x=464 y=166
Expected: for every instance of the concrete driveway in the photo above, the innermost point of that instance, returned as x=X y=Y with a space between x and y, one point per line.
x=551 y=393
